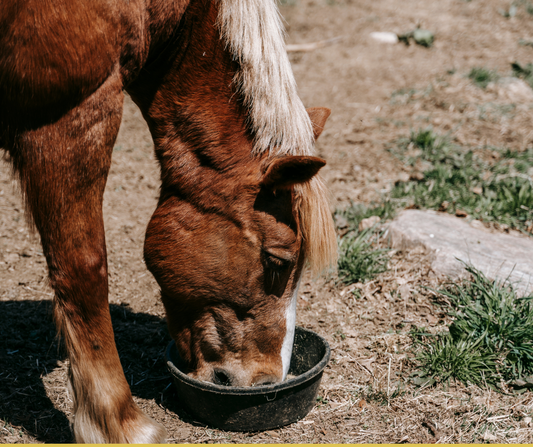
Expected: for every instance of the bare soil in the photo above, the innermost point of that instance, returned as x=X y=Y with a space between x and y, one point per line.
x=378 y=93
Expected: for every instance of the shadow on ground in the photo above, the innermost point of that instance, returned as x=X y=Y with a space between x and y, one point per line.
x=30 y=352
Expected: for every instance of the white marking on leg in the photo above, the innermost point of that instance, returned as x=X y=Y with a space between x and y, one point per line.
x=290 y=323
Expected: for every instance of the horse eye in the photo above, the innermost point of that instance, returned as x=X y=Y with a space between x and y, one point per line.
x=276 y=263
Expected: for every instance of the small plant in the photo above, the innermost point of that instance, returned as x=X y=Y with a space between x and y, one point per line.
x=524 y=72
x=490 y=341
x=482 y=76
x=510 y=12
x=359 y=261
x=442 y=358
x=321 y=400
x=432 y=144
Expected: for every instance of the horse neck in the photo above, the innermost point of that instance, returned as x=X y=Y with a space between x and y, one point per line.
x=190 y=103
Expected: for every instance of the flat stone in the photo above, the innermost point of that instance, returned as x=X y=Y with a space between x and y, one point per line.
x=513 y=90
x=450 y=240
x=369 y=222
x=385 y=37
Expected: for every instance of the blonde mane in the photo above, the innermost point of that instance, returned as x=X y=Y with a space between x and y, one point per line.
x=253 y=32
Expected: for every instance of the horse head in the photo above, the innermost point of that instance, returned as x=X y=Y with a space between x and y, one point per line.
x=229 y=266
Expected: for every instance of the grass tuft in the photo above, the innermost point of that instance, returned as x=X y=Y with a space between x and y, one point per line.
x=359 y=261
x=442 y=358
x=482 y=76
x=525 y=72
x=489 y=343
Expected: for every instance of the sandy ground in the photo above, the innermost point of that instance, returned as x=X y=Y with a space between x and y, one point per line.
x=378 y=93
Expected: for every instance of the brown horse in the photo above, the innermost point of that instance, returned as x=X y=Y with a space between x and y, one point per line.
x=241 y=209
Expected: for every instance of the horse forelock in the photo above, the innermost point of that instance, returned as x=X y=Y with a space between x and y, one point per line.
x=253 y=32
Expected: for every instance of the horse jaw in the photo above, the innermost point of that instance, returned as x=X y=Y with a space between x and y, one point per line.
x=290 y=323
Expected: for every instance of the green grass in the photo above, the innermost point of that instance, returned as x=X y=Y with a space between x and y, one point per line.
x=359 y=261
x=459 y=179
x=482 y=76
x=525 y=72
x=489 y=343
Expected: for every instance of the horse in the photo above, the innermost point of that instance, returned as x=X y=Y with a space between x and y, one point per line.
x=242 y=209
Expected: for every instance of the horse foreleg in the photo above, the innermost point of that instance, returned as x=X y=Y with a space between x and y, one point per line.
x=63 y=168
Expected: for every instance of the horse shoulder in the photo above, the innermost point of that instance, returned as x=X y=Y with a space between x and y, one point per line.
x=54 y=50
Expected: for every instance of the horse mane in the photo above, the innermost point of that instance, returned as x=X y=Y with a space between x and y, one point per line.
x=254 y=34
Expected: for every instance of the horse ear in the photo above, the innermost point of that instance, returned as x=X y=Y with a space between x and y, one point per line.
x=319 y=116
x=285 y=172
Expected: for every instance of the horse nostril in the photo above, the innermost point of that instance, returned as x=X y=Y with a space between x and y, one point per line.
x=265 y=380
x=222 y=378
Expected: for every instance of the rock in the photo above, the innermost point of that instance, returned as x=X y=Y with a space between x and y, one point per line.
x=419 y=176
x=423 y=37
x=341 y=221
x=384 y=37
x=451 y=239
x=514 y=90
x=490 y=437
x=403 y=177
x=477 y=224
x=369 y=222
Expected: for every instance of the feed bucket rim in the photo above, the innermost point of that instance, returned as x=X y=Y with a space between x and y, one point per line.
x=172 y=353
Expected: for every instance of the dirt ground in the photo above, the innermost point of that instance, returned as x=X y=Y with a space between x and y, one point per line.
x=378 y=93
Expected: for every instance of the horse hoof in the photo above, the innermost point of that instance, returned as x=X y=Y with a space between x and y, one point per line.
x=140 y=430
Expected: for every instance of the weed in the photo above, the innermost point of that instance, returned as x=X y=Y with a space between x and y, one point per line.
x=490 y=340
x=510 y=12
x=524 y=72
x=321 y=400
x=339 y=334
x=482 y=76
x=442 y=358
x=359 y=261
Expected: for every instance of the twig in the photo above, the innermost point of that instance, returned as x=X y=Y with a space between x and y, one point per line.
x=303 y=47
x=388 y=382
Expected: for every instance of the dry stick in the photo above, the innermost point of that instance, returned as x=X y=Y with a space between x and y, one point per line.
x=313 y=45
x=388 y=382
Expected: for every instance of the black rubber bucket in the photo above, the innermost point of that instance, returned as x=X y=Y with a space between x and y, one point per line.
x=256 y=408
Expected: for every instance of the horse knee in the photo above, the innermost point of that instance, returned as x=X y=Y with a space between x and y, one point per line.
x=82 y=272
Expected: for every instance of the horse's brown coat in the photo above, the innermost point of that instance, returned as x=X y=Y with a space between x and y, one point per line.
x=225 y=242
